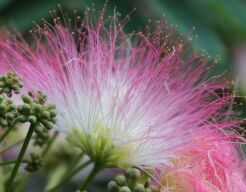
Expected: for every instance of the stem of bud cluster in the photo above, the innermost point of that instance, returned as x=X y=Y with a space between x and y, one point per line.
x=96 y=169
x=20 y=157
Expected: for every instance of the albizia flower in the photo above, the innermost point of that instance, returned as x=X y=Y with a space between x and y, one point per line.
x=126 y=100
x=205 y=166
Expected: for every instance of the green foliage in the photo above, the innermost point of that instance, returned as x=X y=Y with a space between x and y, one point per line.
x=219 y=24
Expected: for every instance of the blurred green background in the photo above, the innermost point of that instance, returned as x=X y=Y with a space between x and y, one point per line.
x=220 y=29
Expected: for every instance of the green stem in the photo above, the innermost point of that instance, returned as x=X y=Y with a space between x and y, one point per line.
x=10 y=162
x=96 y=169
x=20 y=157
x=51 y=141
x=5 y=134
x=69 y=176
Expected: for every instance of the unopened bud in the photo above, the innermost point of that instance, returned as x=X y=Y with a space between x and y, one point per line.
x=32 y=119
x=112 y=186
x=47 y=124
x=125 y=189
x=22 y=119
x=139 y=188
x=133 y=173
x=120 y=180
x=27 y=99
x=46 y=115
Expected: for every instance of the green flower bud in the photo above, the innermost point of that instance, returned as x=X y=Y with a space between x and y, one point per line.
x=4 y=79
x=37 y=108
x=120 y=180
x=9 y=102
x=3 y=107
x=19 y=108
x=46 y=115
x=10 y=116
x=47 y=124
x=15 y=87
x=52 y=113
x=125 y=189
x=12 y=107
x=112 y=186
x=6 y=90
x=27 y=99
x=53 y=120
x=139 y=188
x=32 y=119
x=26 y=108
x=133 y=173
x=22 y=119
x=34 y=163
x=51 y=106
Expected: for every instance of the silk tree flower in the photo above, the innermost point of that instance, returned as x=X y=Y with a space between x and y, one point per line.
x=125 y=100
x=205 y=166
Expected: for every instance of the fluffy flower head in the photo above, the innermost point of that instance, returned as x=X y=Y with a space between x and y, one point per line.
x=125 y=99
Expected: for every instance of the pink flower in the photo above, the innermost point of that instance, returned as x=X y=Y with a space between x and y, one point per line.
x=205 y=166
x=126 y=100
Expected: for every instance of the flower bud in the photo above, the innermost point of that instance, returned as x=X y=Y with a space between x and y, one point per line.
x=138 y=188
x=52 y=113
x=47 y=124
x=2 y=107
x=46 y=115
x=22 y=119
x=120 y=180
x=112 y=186
x=26 y=108
x=34 y=163
x=27 y=99
x=124 y=189
x=133 y=173
x=32 y=119
x=10 y=116
x=37 y=108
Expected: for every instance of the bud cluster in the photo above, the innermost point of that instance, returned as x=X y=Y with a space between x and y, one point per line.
x=34 y=163
x=10 y=83
x=35 y=111
x=132 y=181
x=41 y=136
x=8 y=113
